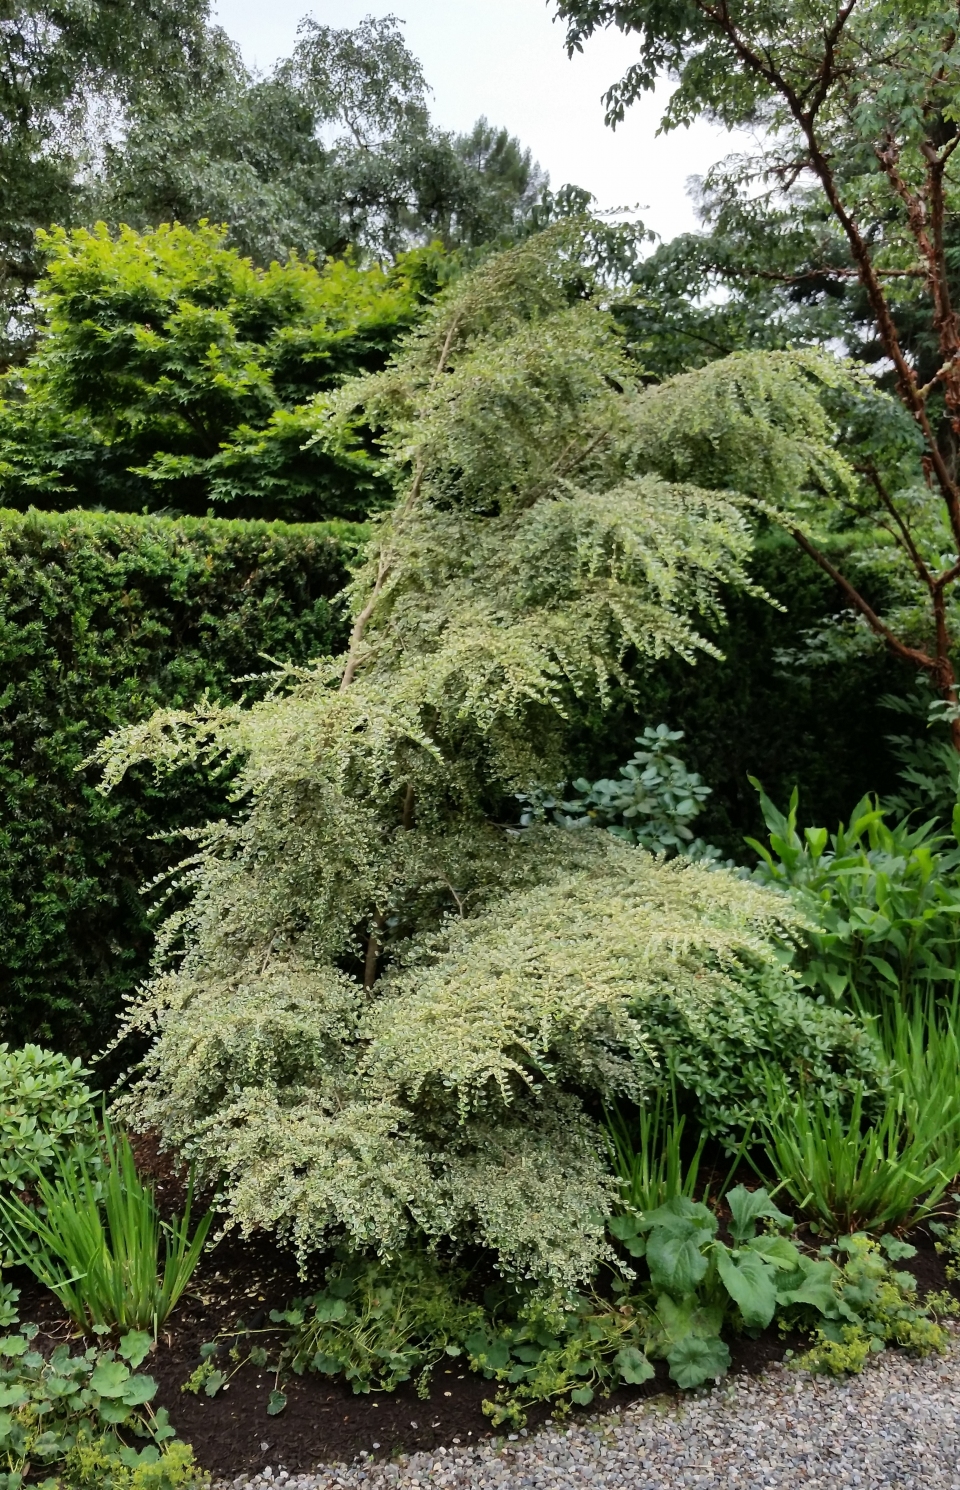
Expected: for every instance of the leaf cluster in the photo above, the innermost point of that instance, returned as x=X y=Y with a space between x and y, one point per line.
x=700 y=1283
x=76 y=1420
x=170 y=372
x=379 y=1324
x=876 y=1306
x=883 y=898
x=46 y=1107
x=653 y=802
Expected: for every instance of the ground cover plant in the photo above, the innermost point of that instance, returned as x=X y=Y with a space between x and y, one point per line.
x=83 y=1419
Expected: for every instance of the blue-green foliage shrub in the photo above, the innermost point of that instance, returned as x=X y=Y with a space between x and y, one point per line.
x=103 y=619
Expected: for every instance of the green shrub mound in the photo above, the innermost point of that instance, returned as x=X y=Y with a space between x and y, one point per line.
x=46 y=1109
x=169 y=371
x=721 y=1055
x=455 y=1101
x=102 y=619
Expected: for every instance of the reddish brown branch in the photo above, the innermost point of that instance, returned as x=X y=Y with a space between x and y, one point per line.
x=900 y=649
x=923 y=573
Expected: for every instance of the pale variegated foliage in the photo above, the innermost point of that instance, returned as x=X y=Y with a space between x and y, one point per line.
x=533 y=553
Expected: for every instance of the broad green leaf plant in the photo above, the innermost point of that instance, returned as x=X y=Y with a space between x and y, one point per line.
x=884 y=899
x=84 y=1419
x=652 y=802
x=383 y=1007
x=697 y=1280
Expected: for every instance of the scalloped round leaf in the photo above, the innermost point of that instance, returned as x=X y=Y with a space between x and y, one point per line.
x=695 y=1360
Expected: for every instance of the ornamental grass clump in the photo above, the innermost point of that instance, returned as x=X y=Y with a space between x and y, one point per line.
x=852 y=1175
x=385 y=1009
x=93 y=1237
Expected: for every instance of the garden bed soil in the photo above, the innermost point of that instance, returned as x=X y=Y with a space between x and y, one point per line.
x=324 y=1421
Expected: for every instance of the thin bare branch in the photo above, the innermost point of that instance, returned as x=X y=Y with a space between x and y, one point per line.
x=900 y=649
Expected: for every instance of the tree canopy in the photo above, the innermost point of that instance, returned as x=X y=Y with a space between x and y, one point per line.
x=854 y=184
x=334 y=148
x=171 y=373
x=66 y=70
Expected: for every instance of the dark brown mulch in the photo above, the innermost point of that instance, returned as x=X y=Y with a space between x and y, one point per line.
x=323 y=1420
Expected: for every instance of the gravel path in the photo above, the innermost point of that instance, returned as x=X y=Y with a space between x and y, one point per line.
x=897 y=1425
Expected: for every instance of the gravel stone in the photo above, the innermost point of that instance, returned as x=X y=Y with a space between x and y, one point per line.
x=896 y=1427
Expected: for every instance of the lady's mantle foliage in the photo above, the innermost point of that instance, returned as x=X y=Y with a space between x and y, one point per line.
x=377 y=1009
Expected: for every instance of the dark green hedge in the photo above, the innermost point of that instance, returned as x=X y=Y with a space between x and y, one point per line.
x=103 y=617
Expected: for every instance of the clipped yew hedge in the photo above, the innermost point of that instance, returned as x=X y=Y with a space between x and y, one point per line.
x=103 y=617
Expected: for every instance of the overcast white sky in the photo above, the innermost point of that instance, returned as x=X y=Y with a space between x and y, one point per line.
x=505 y=59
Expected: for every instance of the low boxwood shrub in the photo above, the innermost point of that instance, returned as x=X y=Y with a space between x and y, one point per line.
x=103 y=618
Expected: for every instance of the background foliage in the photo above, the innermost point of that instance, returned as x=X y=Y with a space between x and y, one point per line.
x=171 y=373
x=333 y=147
x=102 y=619
x=66 y=69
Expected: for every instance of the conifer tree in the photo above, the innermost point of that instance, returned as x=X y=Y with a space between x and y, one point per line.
x=386 y=1006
